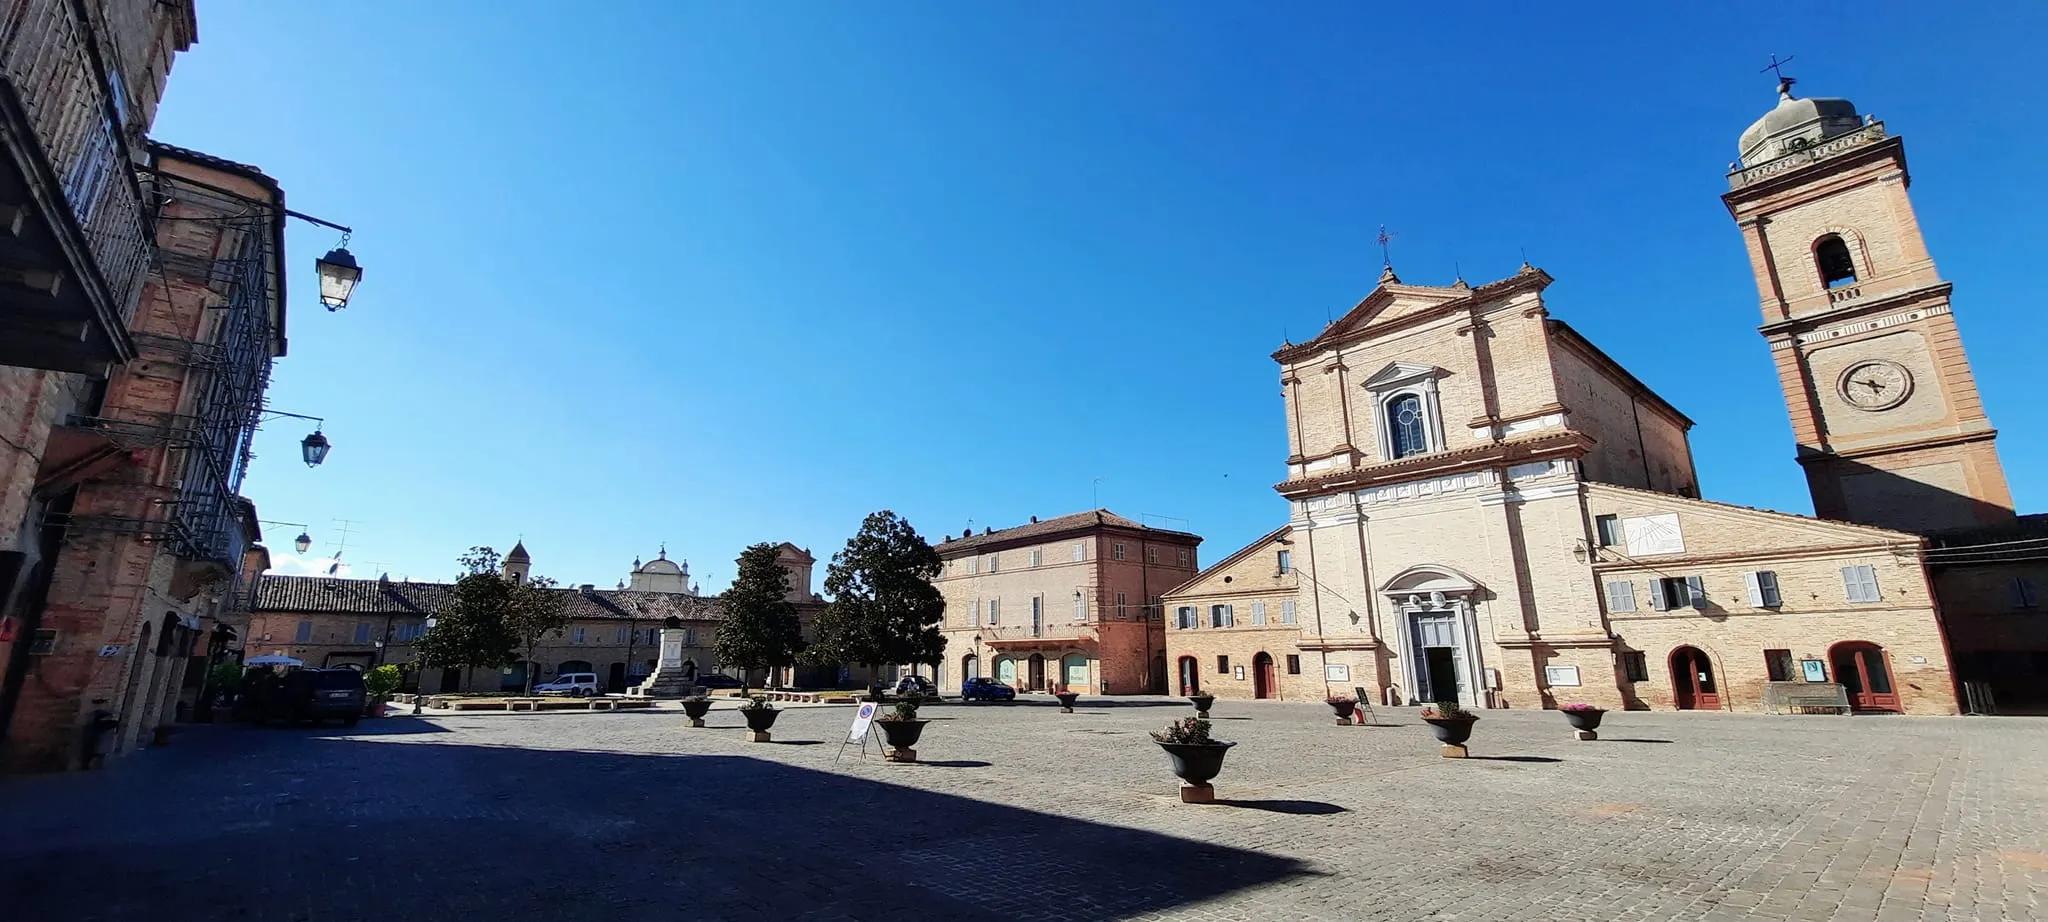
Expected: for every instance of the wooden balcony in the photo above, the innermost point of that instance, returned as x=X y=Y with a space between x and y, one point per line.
x=74 y=238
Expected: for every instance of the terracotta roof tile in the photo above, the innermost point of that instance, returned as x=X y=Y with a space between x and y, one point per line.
x=1093 y=518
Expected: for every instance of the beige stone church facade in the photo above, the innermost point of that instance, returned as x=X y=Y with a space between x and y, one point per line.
x=1487 y=508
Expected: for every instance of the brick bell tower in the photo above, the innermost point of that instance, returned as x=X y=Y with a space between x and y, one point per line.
x=1884 y=407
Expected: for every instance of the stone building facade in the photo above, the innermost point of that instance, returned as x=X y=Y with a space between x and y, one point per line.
x=1487 y=508
x=1071 y=602
x=614 y=633
x=1235 y=628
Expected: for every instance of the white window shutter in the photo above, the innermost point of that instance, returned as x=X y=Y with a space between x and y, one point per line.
x=1621 y=595
x=1755 y=584
x=1698 y=592
x=1258 y=613
x=1287 y=612
x=1660 y=598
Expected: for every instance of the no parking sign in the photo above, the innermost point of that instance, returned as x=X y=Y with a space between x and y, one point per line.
x=861 y=719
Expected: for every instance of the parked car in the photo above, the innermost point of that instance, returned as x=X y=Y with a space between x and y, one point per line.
x=311 y=695
x=717 y=680
x=914 y=685
x=574 y=684
x=983 y=688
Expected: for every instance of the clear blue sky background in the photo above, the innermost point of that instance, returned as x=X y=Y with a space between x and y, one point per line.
x=710 y=274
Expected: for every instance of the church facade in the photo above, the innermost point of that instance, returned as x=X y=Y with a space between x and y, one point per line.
x=1489 y=509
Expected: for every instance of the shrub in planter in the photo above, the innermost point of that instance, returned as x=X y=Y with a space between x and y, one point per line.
x=1202 y=702
x=696 y=706
x=1452 y=725
x=1196 y=757
x=1584 y=718
x=380 y=683
x=902 y=728
x=760 y=715
x=1067 y=699
x=1344 y=708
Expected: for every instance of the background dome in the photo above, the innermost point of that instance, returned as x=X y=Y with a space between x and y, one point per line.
x=1796 y=124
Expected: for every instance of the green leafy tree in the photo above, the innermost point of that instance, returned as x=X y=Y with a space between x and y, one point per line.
x=382 y=681
x=533 y=609
x=760 y=628
x=469 y=632
x=884 y=607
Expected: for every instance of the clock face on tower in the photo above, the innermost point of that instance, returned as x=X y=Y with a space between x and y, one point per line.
x=1875 y=385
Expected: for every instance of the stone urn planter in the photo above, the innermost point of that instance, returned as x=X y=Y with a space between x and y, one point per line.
x=902 y=736
x=1344 y=708
x=1202 y=703
x=1196 y=758
x=1452 y=726
x=1066 y=701
x=696 y=708
x=760 y=716
x=1585 y=720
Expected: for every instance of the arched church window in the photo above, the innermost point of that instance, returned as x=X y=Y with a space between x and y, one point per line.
x=1409 y=433
x=1832 y=256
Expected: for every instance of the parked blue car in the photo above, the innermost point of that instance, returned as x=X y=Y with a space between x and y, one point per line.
x=986 y=689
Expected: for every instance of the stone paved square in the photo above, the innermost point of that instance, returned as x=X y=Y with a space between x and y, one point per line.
x=1020 y=812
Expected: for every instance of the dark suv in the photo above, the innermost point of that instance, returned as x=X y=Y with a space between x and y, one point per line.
x=312 y=694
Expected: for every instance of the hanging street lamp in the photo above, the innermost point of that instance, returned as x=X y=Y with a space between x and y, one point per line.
x=314 y=447
x=303 y=543
x=339 y=274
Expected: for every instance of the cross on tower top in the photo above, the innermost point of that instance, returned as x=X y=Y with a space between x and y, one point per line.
x=1386 y=255
x=1776 y=67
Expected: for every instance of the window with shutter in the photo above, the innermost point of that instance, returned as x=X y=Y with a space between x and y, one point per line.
x=1222 y=665
x=1184 y=617
x=2023 y=593
x=1080 y=552
x=973 y=565
x=1859 y=583
x=995 y=611
x=1286 y=562
x=1763 y=588
x=1621 y=596
x=1183 y=557
x=1116 y=551
x=1660 y=594
x=1287 y=612
x=1080 y=606
x=995 y=563
x=1122 y=613
x=1258 y=613
x=974 y=614
x=1695 y=593
x=1151 y=554
x=1778 y=663
x=1037 y=556
x=1608 y=529
x=1635 y=667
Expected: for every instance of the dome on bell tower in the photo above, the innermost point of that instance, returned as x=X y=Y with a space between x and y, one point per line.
x=1796 y=124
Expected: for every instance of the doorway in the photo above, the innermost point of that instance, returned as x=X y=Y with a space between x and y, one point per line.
x=970 y=667
x=1006 y=671
x=1439 y=643
x=451 y=681
x=1156 y=682
x=1037 y=672
x=1265 y=680
x=1692 y=680
x=1190 y=676
x=1861 y=669
x=1439 y=674
x=616 y=681
x=1074 y=672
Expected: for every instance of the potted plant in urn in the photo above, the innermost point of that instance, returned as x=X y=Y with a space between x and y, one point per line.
x=1344 y=708
x=1452 y=725
x=1202 y=702
x=1196 y=758
x=696 y=706
x=380 y=683
x=1585 y=719
x=901 y=729
x=760 y=716
x=1067 y=698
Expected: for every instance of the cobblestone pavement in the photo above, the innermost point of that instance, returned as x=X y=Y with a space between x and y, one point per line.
x=1021 y=812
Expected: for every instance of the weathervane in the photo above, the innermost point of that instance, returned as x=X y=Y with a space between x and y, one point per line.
x=1386 y=255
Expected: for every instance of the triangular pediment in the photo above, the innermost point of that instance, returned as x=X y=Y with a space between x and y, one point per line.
x=1391 y=302
x=1400 y=371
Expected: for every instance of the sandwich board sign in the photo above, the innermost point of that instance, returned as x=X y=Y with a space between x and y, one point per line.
x=861 y=719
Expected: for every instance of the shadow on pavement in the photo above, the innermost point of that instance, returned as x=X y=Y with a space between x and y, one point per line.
x=1622 y=740
x=1515 y=758
x=958 y=763
x=260 y=826
x=1294 y=807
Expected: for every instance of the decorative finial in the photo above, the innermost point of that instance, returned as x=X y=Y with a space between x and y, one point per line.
x=664 y=550
x=1387 y=275
x=1386 y=253
x=1784 y=82
x=1458 y=274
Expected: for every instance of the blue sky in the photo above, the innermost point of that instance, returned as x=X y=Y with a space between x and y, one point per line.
x=711 y=274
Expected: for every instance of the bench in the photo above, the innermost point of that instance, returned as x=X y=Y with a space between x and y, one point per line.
x=1805 y=698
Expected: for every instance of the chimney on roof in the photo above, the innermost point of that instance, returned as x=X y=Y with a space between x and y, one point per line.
x=1034 y=520
x=986 y=530
x=588 y=588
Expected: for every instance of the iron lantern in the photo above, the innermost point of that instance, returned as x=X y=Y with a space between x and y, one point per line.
x=339 y=274
x=303 y=543
x=314 y=447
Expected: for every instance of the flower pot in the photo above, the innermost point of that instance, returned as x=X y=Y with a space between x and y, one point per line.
x=1195 y=764
x=1451 y=731
x=1202 y=703
x=696 y=710
x=1584 y=719
x=901 y=736
x=1344 y=708
x=1067 y=701
x=758 y=722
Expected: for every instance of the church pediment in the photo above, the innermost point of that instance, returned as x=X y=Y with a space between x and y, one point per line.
x=1400 y=373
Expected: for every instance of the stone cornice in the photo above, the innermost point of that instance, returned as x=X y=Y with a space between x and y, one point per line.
x=1559 y=444
x=1809 y=456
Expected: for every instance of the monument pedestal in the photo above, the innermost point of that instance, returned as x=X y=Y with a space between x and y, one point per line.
x=758 y=736
x=1198 y=793
x=1455 y=751
x=669 y=679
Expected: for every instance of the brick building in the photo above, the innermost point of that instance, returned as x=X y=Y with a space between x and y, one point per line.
x=1487 y=507
x=1071 y=601
x=614 y=633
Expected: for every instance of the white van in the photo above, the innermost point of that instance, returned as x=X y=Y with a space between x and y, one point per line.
x=577 y=684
